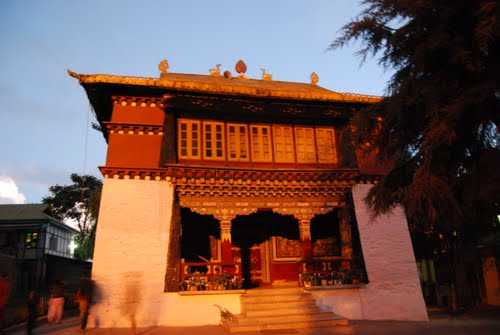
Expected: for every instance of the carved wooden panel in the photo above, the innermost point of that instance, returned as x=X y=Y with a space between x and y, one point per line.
x=286 y=249
x=326 y=247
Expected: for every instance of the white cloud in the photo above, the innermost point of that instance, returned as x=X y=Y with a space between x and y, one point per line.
x=9 y=193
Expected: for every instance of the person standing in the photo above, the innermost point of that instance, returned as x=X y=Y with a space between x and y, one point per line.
x=4 y=297
x=83 y=298
x=56 y=303
x=33 y=299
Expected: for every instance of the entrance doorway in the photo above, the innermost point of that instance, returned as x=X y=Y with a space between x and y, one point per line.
x=253 y=236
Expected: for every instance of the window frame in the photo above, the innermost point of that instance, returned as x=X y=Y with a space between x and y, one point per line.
x=213 y=139
x=333 y=159
x=288 y=157
x=261 y=145
x=238 y=143
x=311 y=145
x=189 y=138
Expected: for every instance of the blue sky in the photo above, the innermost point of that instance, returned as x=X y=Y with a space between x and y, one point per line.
x=44 y=113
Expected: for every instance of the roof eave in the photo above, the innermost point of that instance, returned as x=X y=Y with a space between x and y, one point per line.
x=199 y=87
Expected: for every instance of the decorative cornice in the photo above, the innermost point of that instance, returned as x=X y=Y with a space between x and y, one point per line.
x=233 y=175
x=224 y=181
x=226 y=209
x=133 y=129
x=134 y=173
x=138 y=101
x=227 y=183
x=237 y=86
x=261 y=188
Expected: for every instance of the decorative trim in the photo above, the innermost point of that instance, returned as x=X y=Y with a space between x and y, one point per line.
x=133 y=129
x=226 y=210
x=137 y=174
x=140 y=102
x=225 y=230
x=261 y=183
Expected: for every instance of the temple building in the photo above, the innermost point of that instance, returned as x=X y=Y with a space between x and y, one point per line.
x=220 y=186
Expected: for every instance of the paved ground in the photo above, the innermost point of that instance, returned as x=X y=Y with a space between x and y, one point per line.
x=478 y=323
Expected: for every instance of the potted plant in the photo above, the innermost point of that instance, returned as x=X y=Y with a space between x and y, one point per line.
x=306 y=278
x=347 y=277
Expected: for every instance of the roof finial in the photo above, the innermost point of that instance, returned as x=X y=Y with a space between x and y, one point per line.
x=73 y=74
x=241 y=68
x=215 y=71
x=266 y=75
x=163 y=67
x=314 y=78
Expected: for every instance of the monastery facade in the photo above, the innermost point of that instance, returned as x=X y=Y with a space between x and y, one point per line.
x=219 y=184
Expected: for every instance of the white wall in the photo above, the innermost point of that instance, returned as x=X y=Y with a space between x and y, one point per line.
x=130 y=261
x=394 y=291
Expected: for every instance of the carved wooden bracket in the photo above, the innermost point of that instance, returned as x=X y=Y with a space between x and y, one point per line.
x=226 y=209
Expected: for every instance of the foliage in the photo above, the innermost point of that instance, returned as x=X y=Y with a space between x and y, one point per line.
x=439 y=124
x=78 y=202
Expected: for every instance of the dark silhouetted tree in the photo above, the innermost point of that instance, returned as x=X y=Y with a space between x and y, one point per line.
x=438 y=124
x=78 y=202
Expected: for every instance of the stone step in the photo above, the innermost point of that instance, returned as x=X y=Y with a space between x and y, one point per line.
x=271 y=319
x=275 y=291
x=236 y=328
x=262 y=306
x=275 y=298
x=283 y=308
x=282 y=311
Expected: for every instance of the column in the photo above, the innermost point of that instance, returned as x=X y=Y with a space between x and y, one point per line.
x=345 y=237
x=305 y=237
x=226 y=246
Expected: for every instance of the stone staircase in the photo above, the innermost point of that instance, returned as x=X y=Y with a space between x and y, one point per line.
x=280 y=308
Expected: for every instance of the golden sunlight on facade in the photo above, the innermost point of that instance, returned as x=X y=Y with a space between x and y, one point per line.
x=226 y=195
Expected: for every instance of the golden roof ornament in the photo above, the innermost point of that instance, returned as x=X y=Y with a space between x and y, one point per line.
x=163 y=67
x=241 y=68
x=215 y=71
x=314 y=78
x=266 y=75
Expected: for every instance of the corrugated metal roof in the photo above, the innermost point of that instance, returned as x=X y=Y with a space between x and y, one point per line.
x=23 y=212
x=26 y=214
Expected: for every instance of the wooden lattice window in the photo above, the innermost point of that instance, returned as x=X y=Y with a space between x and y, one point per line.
x=283 y=144
x=213 y=140
x=261 y=143
x=325 y=142
x=237 y=142
x=189 y=138
x=304 y=142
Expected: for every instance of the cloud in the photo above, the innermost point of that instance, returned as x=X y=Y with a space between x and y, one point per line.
x=9 y=193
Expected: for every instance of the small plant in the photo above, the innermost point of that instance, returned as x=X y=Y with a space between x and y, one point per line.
x=225 y=314
x=306 y=279
x=346 y=276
